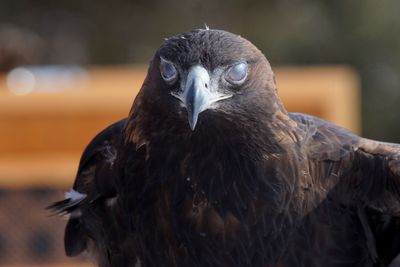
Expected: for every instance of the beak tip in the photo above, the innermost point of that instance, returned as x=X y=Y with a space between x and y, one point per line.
x=192 y=124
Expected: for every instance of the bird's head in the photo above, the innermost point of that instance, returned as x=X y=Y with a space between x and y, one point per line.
x=209 y=71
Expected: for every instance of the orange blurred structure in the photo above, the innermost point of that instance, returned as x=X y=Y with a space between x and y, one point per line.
x=43 y=133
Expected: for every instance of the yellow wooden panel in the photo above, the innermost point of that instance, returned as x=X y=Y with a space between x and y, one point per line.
x=74 y=264
x=332 y=92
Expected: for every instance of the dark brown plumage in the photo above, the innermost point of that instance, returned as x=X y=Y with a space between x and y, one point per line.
x=210 y=170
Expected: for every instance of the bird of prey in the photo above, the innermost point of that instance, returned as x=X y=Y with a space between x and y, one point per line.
x=209 y=169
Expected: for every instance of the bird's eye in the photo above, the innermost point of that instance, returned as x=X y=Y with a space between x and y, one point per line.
x=168 y=71
x=237 y=73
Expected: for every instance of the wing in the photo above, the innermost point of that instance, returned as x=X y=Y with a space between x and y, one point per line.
x=381 y=194
x=366 y=174
x=382 y=191
x=370 y=167
x=93 y=193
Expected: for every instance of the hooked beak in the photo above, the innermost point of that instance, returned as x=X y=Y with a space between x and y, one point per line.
x=198 y=94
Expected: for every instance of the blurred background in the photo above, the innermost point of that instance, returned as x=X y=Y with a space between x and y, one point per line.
x=69 y=68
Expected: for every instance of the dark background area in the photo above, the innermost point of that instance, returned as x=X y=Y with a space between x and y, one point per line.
x=363 y=34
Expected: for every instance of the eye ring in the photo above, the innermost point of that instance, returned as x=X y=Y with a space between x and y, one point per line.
x=237 y=74
x=168 y=71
